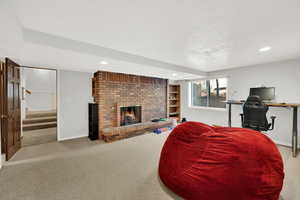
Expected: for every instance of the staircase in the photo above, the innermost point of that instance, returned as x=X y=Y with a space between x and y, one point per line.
x=39 y=120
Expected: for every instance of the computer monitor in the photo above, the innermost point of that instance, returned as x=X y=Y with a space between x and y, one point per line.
x=265 y=93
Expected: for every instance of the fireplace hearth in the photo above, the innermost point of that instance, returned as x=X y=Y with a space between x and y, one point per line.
x=130 y=115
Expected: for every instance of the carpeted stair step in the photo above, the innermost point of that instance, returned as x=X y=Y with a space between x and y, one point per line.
x=39 y=114
x=35 y=126
x=39 y=120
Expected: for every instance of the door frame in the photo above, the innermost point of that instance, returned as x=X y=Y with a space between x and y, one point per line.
x=56 y=97
x=2 y=135
x=2 y=130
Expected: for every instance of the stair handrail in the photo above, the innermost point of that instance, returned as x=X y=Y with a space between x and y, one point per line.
x=28 y=91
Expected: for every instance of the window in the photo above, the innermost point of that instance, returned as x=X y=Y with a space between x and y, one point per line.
x=209 y=93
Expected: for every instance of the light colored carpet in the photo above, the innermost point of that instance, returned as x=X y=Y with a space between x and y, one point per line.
x=125 y=169
x=40 y=136
x=85 y=170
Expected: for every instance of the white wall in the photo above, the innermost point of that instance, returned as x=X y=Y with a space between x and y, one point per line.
x=284 y=76
x=74 y=94
x=42 y=84
x=11 y=41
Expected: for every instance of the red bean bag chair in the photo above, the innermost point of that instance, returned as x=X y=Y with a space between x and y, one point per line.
x=207 y=163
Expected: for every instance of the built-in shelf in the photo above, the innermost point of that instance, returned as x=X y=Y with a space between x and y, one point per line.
x=174 y=113
x=173 y=106
x=174 y=101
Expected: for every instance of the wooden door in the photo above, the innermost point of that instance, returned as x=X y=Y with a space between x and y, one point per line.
x=12 y=108
x=3 y=149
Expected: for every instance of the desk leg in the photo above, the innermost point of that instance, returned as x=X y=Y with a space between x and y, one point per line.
x=229 y=115
x=295 y=131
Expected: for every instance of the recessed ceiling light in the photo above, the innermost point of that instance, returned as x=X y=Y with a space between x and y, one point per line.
x=103 y=62
x=264 y=49
x=174 y=74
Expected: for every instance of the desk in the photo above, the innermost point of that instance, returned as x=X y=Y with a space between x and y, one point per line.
x=294 y=106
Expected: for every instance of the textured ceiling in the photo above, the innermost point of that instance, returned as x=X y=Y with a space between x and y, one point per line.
x=204 y=35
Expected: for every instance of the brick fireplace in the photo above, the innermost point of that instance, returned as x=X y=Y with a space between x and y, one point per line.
x=141 y=98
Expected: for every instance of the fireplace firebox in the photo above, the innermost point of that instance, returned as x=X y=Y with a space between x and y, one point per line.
x=130 y=115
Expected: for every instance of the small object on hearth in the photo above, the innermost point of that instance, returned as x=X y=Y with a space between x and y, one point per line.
x=157 y=131
x=155 y=120
x=160 y=130
x=183 y=120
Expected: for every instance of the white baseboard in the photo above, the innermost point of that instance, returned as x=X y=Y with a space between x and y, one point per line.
x=284 y=143
x=71 y=138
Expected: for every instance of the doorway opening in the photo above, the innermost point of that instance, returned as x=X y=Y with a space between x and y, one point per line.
x=38 y=106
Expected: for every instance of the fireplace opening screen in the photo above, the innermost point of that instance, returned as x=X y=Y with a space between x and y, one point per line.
x=130 y=115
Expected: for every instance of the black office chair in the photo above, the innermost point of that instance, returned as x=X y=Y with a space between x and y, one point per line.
x=255 y=115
